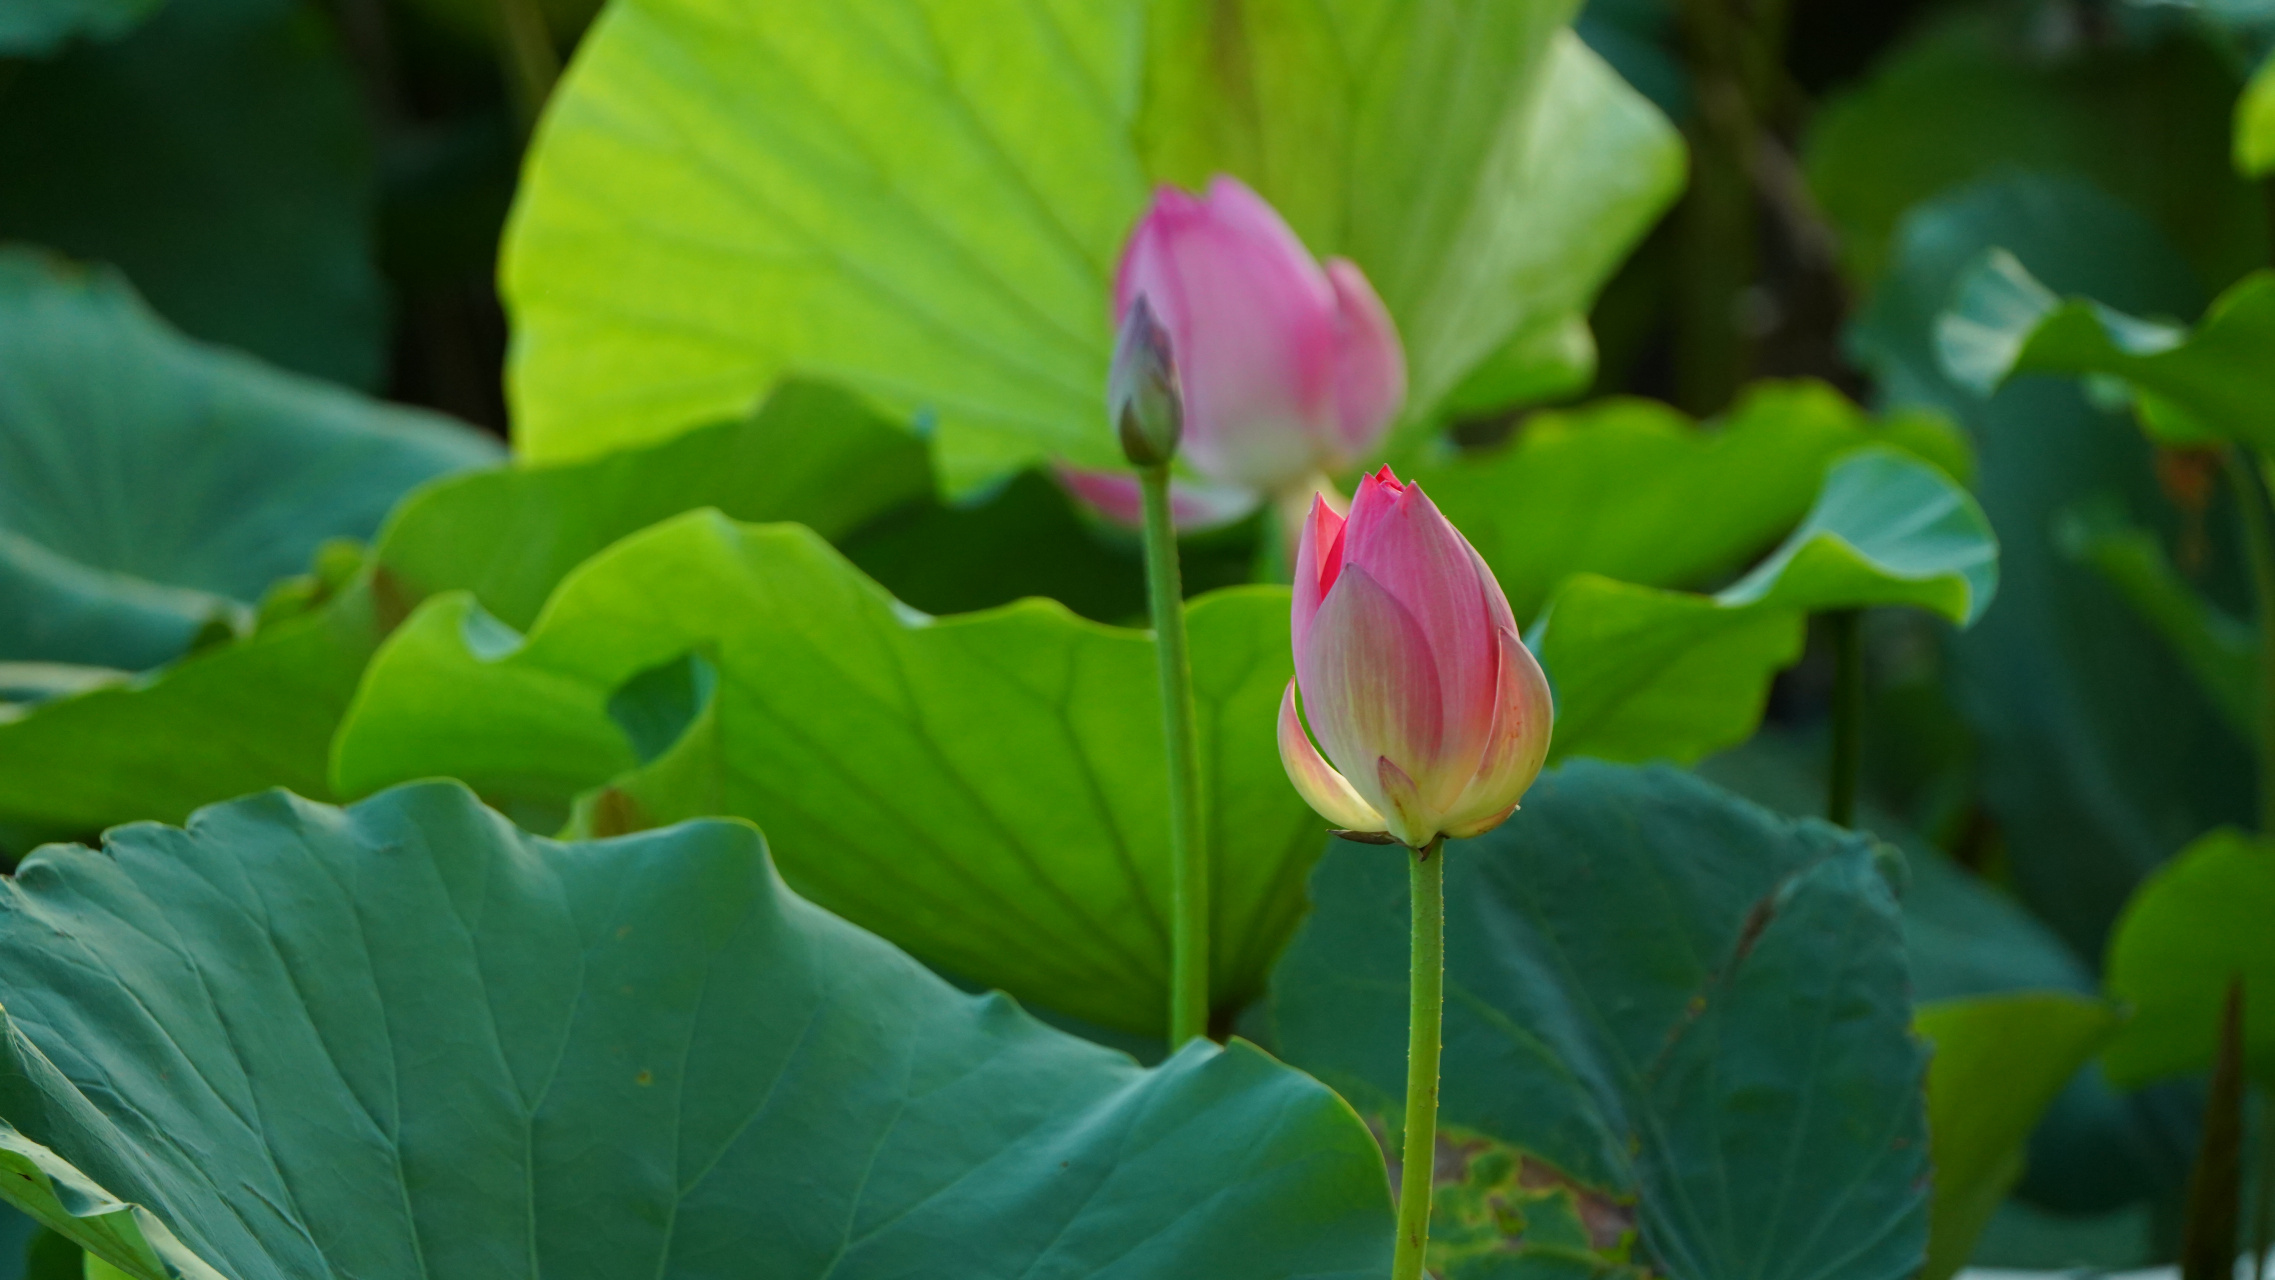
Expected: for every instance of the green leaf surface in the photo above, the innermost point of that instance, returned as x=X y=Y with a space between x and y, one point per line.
x=2213 y=383
x=2100 y=753
x=641 y=1056
x=2196 y=923
x=151 y=486
x=38 y=28
x=985 y=789
x=1980 y=94
x=1641 y=672
x=1998 y=1062
x=256 y=713
x=2218 y=648
x=261 y=712
x=1663 y=991
x=812 y=455
x=2255 y=124
x=1633 y=490
x=925 y=203
x=221 y=156
x=1965 y=937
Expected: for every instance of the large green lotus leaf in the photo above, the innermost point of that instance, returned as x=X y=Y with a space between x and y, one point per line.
x=1642 y=673
x=1970 y=101
x=925 y=201
x=1975 y=951
x=1662 y=991
x=1636 y=491
x=221 y=156
x=1999 y=1062
x=405 y=1039
x=150 y=485
x=2101 y=756
x=1965 y=937
x=261 y=712
x=2198 y=922
x=2255 y=124
x=2192 y=387
x=985 y=789
x=37 y=28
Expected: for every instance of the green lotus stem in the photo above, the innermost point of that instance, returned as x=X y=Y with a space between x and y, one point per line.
x=2259 y=548
x=1848 y=716
x=1188 y=852
x=1426 y=988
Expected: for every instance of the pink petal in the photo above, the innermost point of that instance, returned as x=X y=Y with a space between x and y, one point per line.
x=1193 y=505
x=1517 y=746
x=1252 y=320
x=1370 y=364
x=1325 y=790
x=1318 y=558
x=1371 y=688
x=1459 y=830
x=1402 y=541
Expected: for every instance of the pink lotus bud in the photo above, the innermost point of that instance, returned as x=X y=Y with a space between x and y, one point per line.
x=1286 y=368
x=1433 y=712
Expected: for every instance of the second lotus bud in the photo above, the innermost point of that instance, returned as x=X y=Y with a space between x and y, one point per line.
x=1141 y=390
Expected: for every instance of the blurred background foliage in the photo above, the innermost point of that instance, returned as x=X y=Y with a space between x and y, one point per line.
x=257 y=215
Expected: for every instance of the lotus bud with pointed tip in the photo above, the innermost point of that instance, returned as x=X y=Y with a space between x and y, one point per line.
x=1141 y=390
x=1432 y=717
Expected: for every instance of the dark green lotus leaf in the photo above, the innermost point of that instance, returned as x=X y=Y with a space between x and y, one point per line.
x=985 y=789
x=1966 y=937
x=925 y=202
x=640 y=1056
x=1638 y=492
x=2197 y=923
x=2101 y=755
x=1660 y=990
x=261 y=712
x=2206 y=385
x=1642 y=673
x=151 y=487
x=2010 y=1011
x=221 y=157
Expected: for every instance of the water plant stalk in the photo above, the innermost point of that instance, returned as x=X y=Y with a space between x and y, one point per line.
x=1188 y=852
x=1426 y=872
x=1848 y=716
